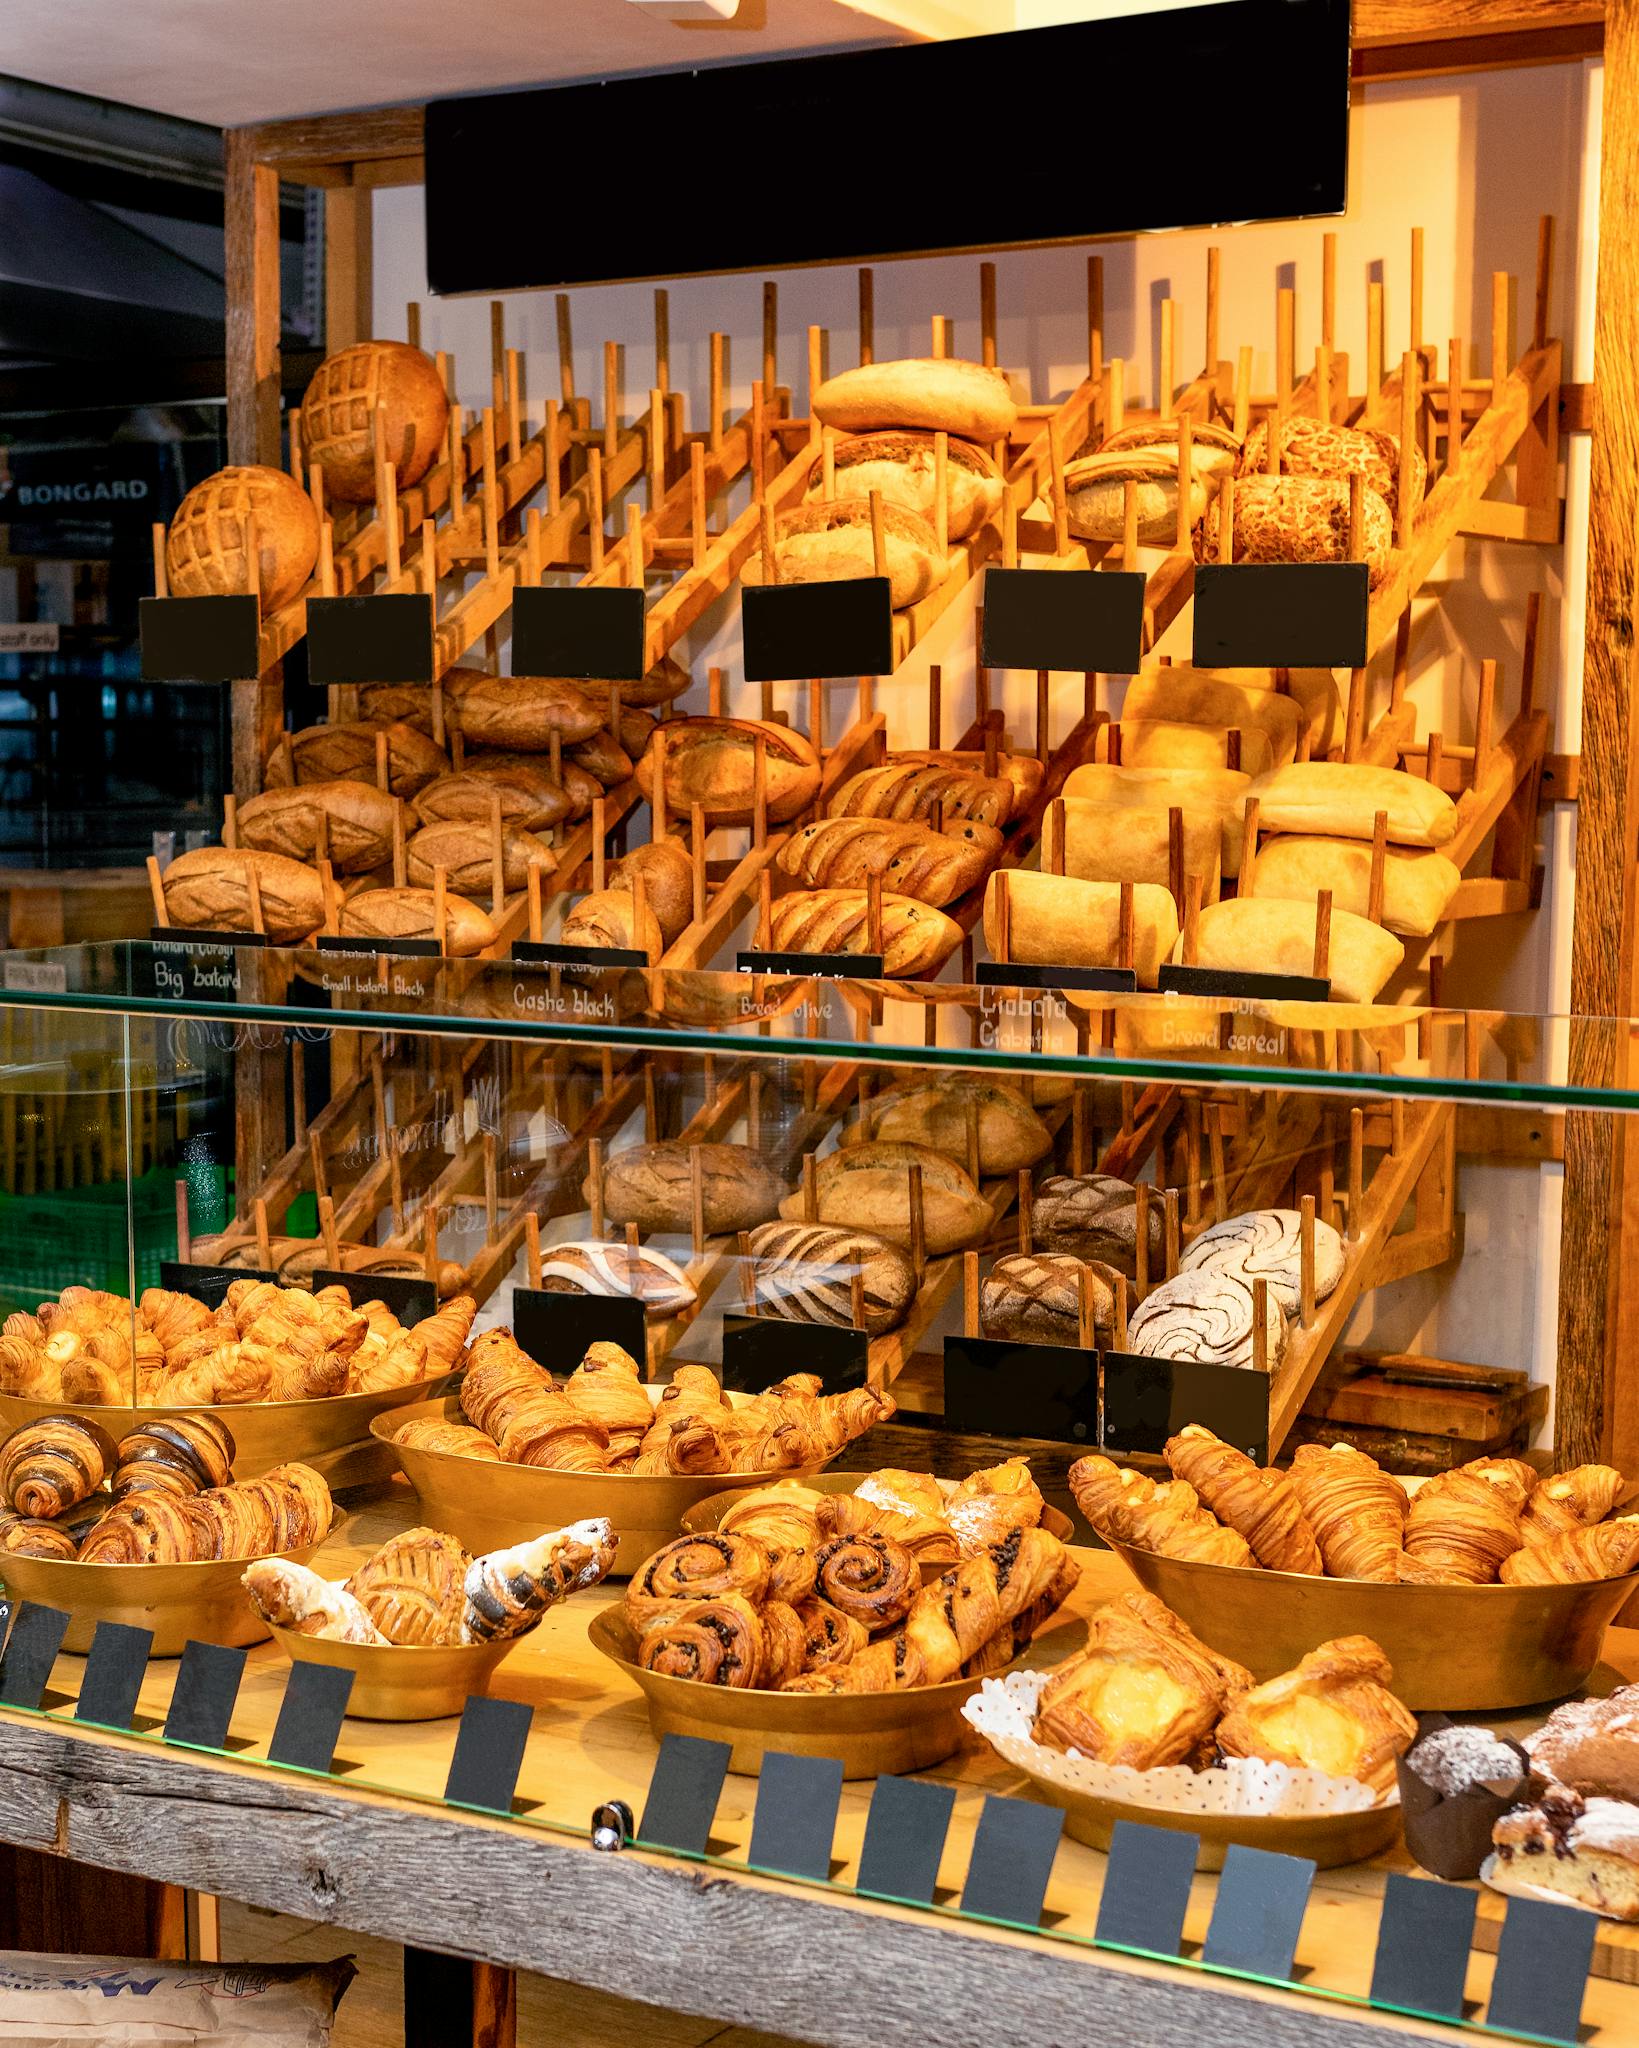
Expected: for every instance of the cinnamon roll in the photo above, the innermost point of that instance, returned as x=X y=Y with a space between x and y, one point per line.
x=714 y=1642
x=869 y=1578
x=703 y=1567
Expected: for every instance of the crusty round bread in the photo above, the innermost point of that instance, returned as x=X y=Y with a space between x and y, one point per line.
x=712 y=762
x=668 y=882
x=338 y=423
x=1213 y=448
x=829 y=543
x=608 y=917
x=1298 y=519
x=207 y=549
x=919 y=391
x=903 y=466
x=1095 y=494
x=1310 y=447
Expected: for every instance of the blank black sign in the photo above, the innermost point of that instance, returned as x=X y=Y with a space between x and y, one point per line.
x=1543 y=1956
x=1041 y=1390
x=1013 y=1850
x=905 y=1839
x=1146 y=1888
x=370 y=639
x=758 y=1350
x=31 y=1649
x=1048 y=618
x=1259 y=1912
x=1281 y=614
x=593 y=634
x=565 y=1326
x=1423 y=1939
x=199 y=639
x=412 y=1301
x=489 y=1753
x=1147 y=1400
x=796 y=1816
x=797 y=630
x=207 y=1686
x=683 y=1794
x=114 y=1671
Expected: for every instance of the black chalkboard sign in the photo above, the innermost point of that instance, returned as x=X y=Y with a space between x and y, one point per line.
x=1281 y=614
x=1044 y=618
x=1177 y=980
x=812 y=966
x=1147 y=1400
x=370 y=639
x=561 y=1328
x=209 y=1284
x=795 y=630
x=359 y=948
x=412 y=1301
x=1009 y=1389
x=759 y=1350
x=592 y=633
x=576 y=959
x=200 y=639
x=1121 y=981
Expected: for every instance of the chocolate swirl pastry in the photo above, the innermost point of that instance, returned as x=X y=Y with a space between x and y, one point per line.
x=870 y=1579
x=713 y=1642
x=1266 y=1244
x=702 y=1567
x=1094 y=1216
x=1205 y=1317
x=178 y=1454
x=28 y=1536
x=49 y=1466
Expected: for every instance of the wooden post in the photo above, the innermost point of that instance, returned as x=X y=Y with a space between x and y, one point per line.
x=251 y=255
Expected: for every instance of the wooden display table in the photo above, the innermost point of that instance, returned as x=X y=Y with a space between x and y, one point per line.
x=374 y=1849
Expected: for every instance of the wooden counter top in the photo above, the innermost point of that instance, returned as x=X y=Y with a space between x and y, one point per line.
x=373 y=1850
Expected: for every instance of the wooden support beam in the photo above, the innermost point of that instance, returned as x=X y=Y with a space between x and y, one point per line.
x=250 y=228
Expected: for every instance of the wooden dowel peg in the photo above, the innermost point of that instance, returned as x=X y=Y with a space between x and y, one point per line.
x=1260 y=1325
x=599 y=809
x=1454 y=405
x=816 y=377
x=916 y=1213
x=441 y=892
x=987 y=314
x=1379 y=868
x=532 y=1248
x=1220 y=1171
x=867 y=316
x=1115 y=399
x=162 y=587
x=1124 y=928
x=1323 y=935
x=1172 y=1232
x=935 y=719
x=1374 y=340
x=1243 y=393
x=1411 y=368
x=939 y=328
x=1357 y=516
x=1482 y=720
x=1186 y=485
x=398 y=841
x=1544 y=281
x=1249 y=846
x=714 y=421
x=1232 y=748
x=1323 y=382
x=970 y=1294
x=537 y=924
x=594 y=1184
x=941 y=492
x=1433 y=758
x=1129 y=524
x=759 y=791
x=1191 y=939
x=1414 y=339
x=1226 y=520
x=1122 y=1311
x=1175 y=852
x=879 y=539
x=1004 y=936
x=970 y=1107
x=1043 y=714
x=1169 y=381
x=492 y=510
x=697 y=862
x=1357 y=1168
x=1500 y=349
x=1095 y=321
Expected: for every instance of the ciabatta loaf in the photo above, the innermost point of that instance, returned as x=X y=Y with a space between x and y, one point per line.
x=1222 y=792
x=1112 y=842
x=712 y=762
x=1417 y=885
x=1342 y=799
x=929 y=392
x=1258 y=935
x=1177 y=743
x=1187 y=696
x=1055 y=921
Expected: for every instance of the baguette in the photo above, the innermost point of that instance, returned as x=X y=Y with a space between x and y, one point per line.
x=834 y=541
x=209 y=889
x=926 y=392
x=934 y=867
x=668 y=883
x=1342 y=799
x=867 y=1187
x=909 y=790
x=1418 y=884
x=1312 y=447
x=1268 y=936
x=520 y=713
x=608 y=918
x=530 y=799
x=463 y=847
x=1178 y=743
x=804 y=1272
x=649 y=1185
x=1298 y=519
x=1009 y=1132
x=903 y=468
x=1191 y=697
x=346 y=752
x=358 y=821
x=1022 y=772
x=1055 y=921
x=712 y=762
x=1218 y=792
x=916 y=938
x=408 y=914
x=1111 y=842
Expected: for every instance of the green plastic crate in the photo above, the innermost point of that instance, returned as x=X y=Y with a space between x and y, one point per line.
x=77 y=1238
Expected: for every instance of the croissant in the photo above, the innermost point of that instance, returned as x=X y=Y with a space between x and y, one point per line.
x=445 y=1334
x=459 y=1439
x=785 y=1644
x=1356 y=1509
x=23 y=1367
x=714 y=1642
x=169 y=1316
x=27 y=1536
x=49 y=1466
x=180 y=1454
x=1126 y=1506
x=500 y=1376
x=782 y=1517
x=507 y=1591
x=90 y=1383
x=928 y=1538
x=1261 y=1506
x=1144 y=1693
x=413 y=1588
x=608 y=1388
x=1585 y=1494
x=291 y=1596
x=547 y=1428
x=293 y=1377
x=1608 y=1550
x=228 y=1373
x=702 y=1567
x=382 y=1364
x=1515 y=1476
x=152 y=1528
x=1459 y=1530
x=1334 y=1713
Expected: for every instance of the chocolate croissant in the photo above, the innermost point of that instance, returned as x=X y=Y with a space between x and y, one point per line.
x=27 y=1536
x=507 y=1591
x=49 y=1466
x=180 y=1454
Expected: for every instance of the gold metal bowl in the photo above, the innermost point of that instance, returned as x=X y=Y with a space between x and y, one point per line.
x=490 y=1506
x=403 y=1683
x=265 y=1433
x=1457 y=1649
x=180 y=1603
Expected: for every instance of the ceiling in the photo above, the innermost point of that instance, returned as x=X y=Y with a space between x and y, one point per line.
x=231 y=61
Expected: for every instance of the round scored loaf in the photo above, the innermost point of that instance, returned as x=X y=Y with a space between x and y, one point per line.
x=339 y=413
x=1267 y=1244
x=357 y=818
x=1342 y=799
x=649 y=1185
x=1208 y=1317
x=929 y=392
x=1055 y=921
x=867 y=1187
x=1094 y=1216
x=607 y=918
x=1311 y=447
x=1035 y=1298
x=668 y=883
x=804 y=1272
x=207 y=550
x=1299 y=519
x=1259 y=935
x=209 y=890
x=412 y=914
x=1418 y=884
x=834 y=541
x=464 y=848
x=1213 y=448
x=903 y=467
x=712 y=762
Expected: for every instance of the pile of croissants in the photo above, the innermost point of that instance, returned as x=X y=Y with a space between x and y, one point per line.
x=165 y=1494
x=602 y=1420
x=1338 y=1514
x=264 y=1343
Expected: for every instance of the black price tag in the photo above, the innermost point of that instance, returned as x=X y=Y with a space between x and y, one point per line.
x=489 y=1754
x=310 y=1716
x=1177 y=980
x=1147 y=1400
x=1146 y=1888
x=1423 y=1940
x=1013 y=1850
x=790 y=631
x=191 y=961
x=115 y=1667
x=1043 y=618
x=758 y=1350
x=904 y=1839
x=205 y=1694
x=412 y=1301
x=370 y=639
x=1120 y=981
x=796 y=1816
x=566 y=1326
x=591 y=633
x=812 y=966
x=581 y=959
x=996 y=1387
x=200 y=639
x=31 y=1649
x=683 y=1794
x=1259 y=1913
x=1281 y=614
x=209 y=1284
x=358 y=947
x=1544 y=1954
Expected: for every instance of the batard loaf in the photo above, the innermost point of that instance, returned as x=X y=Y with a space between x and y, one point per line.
x=666 y=680
x=1055 y=921
x=1418 y=885
x=209 y=890
x=1260 y=935
x=463 y=848
x=934 y=867
x=1298 y=519
x=712 y=762
x=604 y=759
x=357 y=819
x=1312 y=447
x=1022 y=772
x=867 y=1187
x=1009 y=1132
x=916 y=938
x=834 y=541
x=346 y=752
x=928 y=392
x=208 y=547
x=909 y=790
x=1342 y=798
x=903 y=467
x=1189 y=697
x=1035 y=1298
x=1105 y=842
x=608 y=918
x=668 y=883
x=520 y=713
x=411 y=914
x=1176 y=743
x=804 y=1272
x=582 y=790
x=1219 y=792
x=530 y=799
x=649 y=1185
x=339 y=412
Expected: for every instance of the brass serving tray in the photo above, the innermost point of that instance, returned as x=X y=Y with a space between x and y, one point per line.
x=408 y=1683
x=265 y=1433
x=1456 y=1649
x=489 y=1506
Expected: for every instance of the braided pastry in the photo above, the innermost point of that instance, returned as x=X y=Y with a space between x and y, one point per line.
x=49 y=1466
x=413 y=1588
x=507 y=1591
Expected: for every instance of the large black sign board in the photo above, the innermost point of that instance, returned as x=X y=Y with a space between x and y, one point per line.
x=578 y=959
x=489 y=1754
x=1423 y=1938
x=793 y=631
x=370 y=639
x=209 y=1284
x=812 y=966
x=114 y=1669
x=1042 y=618
x=683 y=1794
x=904 y=1839
x=1281 y=615
x=1543 y=1957
x=564 y=1327
x=796 y=1816
x=31 y=1649
x=1012 y=1859
x=1000 y=1388
x=1175 y=979
x=758 y=1350
x=1258 y=1914
x=1121 y=981
x=1147 y=1400
x=592 y=633
x=412 y=1301
x=310 y=1716
x=200 y=639
x=204 y=1696
x=1146 y=1888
